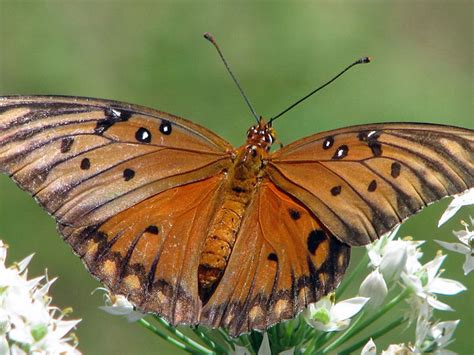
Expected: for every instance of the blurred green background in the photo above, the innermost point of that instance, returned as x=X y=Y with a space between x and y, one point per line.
x=152 y=53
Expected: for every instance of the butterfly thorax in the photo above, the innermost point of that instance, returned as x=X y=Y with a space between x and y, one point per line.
x=243 y=180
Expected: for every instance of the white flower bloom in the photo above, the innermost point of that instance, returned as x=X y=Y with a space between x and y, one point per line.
x=27 y=320
x=433 y=338
x=327 y=316
x=427 y=282
x=376 y=249
x=374 y=286
x=466 y=247
x=118 y=305
x=393 y=257
x=369 y=348
x=398 y=349
x=464 y=199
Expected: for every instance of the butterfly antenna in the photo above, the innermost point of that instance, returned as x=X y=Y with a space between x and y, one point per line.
x=211 y=39
x=360 y=61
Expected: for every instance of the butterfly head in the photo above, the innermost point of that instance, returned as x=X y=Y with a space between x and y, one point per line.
x=261 y=135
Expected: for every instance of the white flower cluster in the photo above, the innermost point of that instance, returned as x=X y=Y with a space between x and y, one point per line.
x=28 y=322
x=396 y=262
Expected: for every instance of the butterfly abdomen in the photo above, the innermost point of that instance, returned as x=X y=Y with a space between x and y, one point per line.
x=243 y=181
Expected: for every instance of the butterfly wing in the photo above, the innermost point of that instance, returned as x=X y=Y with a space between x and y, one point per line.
x=111 y=174
x=149 y=252
x=86 y=160
x=362 y=181
x=292 y=263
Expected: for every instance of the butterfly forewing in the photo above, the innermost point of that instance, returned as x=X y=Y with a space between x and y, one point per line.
x=362 y=181
x=85 y=160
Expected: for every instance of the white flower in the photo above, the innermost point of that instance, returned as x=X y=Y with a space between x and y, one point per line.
x=464 y=199
x=398 y=349
x=433 y=338
x=27 y=320
x=327 y=316
x=466 y=247
x=427 y=282
x=118 y=305
x=374 y=286
x=369 y=348
x=393 y=257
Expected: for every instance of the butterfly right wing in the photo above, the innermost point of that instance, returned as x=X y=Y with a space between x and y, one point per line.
x=364 y=180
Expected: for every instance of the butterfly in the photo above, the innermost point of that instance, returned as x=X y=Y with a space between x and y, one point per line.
x=186 y=226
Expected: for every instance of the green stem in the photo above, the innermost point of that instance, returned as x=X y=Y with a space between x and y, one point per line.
x=188 y=341
x=352 y=275
x=375 y=335
x=209 y=342
x=356 y=328
x=168 y=338
x=226 y=338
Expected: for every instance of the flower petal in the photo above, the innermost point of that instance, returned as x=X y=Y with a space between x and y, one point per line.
x=265 y=346
x=374 y=286
x=433 y=302
x=348 y=308
x=466 y=198
x=457 y=247
x=468 y=264
x=446 y=286
x=443 y=332
x=394 y=260
x=369 y=348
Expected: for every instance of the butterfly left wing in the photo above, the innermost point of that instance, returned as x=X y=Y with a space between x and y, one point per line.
x=85 y=160
x=362 y=181
x=150 y=252
x=275 y=269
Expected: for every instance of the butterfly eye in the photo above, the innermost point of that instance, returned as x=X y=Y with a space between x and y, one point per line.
x=268 y=138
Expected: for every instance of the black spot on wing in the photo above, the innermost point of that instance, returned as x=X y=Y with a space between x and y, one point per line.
x=112 y=116
x=372 y=186
x=336 y=190
x=272 y=257
x=315 y=238
x=143 y=135
x=166 y=127
x=341 y=152
x=395 y=169
x=328 y=142
x=66 y=144
x=294 y=214
x=128 y=174
x=152 y=229
x=371 y=138
x=85 y=164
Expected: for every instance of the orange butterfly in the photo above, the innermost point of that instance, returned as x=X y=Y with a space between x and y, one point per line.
x=170 y=215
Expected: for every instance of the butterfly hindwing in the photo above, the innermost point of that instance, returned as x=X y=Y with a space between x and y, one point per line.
x=150 y=252
x=362 y=181
x=282 y=261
